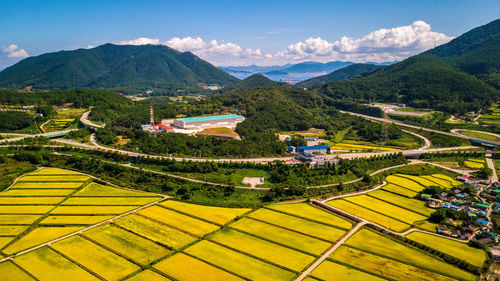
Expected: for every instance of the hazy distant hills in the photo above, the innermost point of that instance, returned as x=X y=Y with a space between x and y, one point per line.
x=119 y=67
x=340 y=74
x=456 y=77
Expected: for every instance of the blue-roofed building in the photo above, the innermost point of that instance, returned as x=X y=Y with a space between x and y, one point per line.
x=322 y=149
x=213 y=121
x=482 y=222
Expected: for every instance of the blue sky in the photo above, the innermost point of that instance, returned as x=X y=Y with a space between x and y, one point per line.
x=262 y=32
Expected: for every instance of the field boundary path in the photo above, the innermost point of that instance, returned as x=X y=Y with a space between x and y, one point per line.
x=84 y=119
x=330 y=251
x=491 y=165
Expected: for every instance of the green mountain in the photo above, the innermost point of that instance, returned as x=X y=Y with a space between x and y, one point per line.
x=119 y=67
x=340 y=74
x=255 y=81
x=476 y=52
x=440 y=78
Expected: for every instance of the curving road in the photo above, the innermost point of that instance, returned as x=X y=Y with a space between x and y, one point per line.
x=85 y=121
x=457 y=131
x=422 y=128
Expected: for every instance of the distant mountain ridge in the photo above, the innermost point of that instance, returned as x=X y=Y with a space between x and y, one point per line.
x=340 y=74
x=119 y=67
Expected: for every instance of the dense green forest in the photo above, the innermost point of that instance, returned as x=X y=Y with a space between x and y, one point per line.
x=340 y=74
x=267 y=111
x=120 y=67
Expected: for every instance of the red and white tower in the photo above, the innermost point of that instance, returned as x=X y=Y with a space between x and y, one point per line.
x=151 y=116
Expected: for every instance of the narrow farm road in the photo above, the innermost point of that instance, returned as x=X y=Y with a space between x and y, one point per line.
x=491 y=165
x=329 y=251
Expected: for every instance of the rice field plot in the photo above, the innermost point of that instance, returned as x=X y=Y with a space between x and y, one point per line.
x=97 y=190
x=414 y=205
x=450 y=179
x=73 y=220
x=46 y=185
x=404 y=182
x=314 y=229
x=91 y=210
x=362 y=147
x=382 y=266
x=12 y=230
x=109 y=201
x=281 y=236
x=423 y=181
x=127 y=244
x=399 y=190
x=25 y=209
x=4 y=200
x=456 y=249
x=38 y=236
x=54 y=172
x=309 y=212
x=98 y=259
x=370 y=241
x=155 y=231
x=10 y=272
x=370 y=215
x=147 y=275
x=385 y=208
x=4 y=241
x=331 y=271
x=474 y=163
x=238 y=263
x=18 y=219
x=18 y=192
x=47 y=265
x=186 y=223
x=43 y=178
x=216 y=215
x=183 y=267
x=262 y=249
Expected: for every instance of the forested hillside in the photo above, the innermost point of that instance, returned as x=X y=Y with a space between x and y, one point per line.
x=119 y=67
x=340 y=75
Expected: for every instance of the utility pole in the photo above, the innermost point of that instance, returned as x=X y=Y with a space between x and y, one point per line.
x=384 y=133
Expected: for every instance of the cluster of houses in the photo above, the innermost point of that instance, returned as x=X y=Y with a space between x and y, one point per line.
x=476 y=226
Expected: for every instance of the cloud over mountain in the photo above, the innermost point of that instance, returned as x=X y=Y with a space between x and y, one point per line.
x=380 y=45
x=13 y=51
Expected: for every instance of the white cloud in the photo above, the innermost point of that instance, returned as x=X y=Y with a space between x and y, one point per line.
x=378 y=46
x=141 y=41
x=13 y=51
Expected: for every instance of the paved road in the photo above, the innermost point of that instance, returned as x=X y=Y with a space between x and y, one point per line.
x=491 y=165
x=422 y=128
x=330 y=251
x=85 y=120
x=427 y=142
x=23 y=136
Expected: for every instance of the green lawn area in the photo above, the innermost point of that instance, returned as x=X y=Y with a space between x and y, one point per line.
x=479 y=135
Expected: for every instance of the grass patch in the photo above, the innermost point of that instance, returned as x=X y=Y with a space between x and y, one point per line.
x=480 y=135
